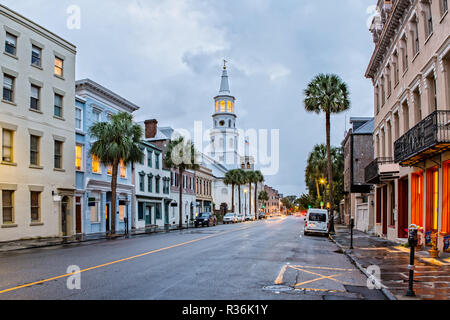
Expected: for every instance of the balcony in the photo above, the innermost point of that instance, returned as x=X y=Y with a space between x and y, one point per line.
x=381 y=170
x=428 y=138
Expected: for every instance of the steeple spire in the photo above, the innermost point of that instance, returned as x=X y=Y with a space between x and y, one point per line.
x=224 y=85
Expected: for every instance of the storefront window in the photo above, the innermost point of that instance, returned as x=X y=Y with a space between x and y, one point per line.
x=417 y=199
x=432 y=199
x=446 y=199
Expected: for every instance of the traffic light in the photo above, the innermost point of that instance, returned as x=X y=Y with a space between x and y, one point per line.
x=309 y=206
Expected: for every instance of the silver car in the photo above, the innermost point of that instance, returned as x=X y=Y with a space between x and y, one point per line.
x=230 y=218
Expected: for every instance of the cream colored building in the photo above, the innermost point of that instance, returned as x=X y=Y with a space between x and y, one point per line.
x=37 y=130
x=203 y=189
x=410 y=71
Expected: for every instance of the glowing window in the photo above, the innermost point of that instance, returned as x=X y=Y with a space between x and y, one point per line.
x=121 y=212
x=96 y=167
x=109 y=170
x=229 y=106
x=217 y=106
x=222 y=106
x=59 y=65
x=123 y=169
x=78 y=157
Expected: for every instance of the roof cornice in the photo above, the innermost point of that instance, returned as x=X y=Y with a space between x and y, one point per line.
x=88 y=84
x=387 y=34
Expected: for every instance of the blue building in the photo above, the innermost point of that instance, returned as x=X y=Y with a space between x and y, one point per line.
x=94 y=103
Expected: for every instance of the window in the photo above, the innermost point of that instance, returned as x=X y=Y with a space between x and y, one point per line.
x=150 y=183
x=8 y=88
x=8 y=206
x=34 y=150
x=35 y=206
x=79 y=157
x=377 y=101
x=122 y=209
x=7 y=146
x=444 y=6
x=109 y=170
x=158 y=211
x=417 y=106
x=78 y=118
x=142 y=182
x=123 y=169
x=140 y=211
x=59 y=66
x=417 y=199
x=10 y=44
x=34 y=97
x=36 y=54
x=149 y=158
x=94 y=208
x=405 y=53
x=229 y=106
x=388 y=81
x=222 y=106
x=58 y=154
x=157 y=161
x=97 y=115
x=383 y=93
x=429 y=19
x=58 y=105
x=396 y=68
x=217 y=106
x=96 y=165
x=157 y=185
x=416 y=44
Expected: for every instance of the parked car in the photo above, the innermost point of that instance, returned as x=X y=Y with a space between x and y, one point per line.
x=316 y=221
x=230 y=218
x=205 y=219
x=249 y=217
x=262 y=215
x=240 y=217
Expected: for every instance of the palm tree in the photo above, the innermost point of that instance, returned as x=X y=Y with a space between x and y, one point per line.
x=116 y=141
x=316 y=168
x=249 y=178
x=231 y=178
x=240 y=180
x=258 y=178
x=330 y=95
x=181 y=155
x=263 y=196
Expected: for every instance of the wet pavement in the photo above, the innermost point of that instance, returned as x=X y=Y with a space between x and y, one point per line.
x=431 y=276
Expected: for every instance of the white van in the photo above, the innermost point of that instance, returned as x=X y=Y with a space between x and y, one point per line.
x=316 y=221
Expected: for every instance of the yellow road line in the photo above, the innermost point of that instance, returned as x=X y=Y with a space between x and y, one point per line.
x=118 y=261
x=321 y=278
x=279 y=279
x=319 y=275
x=324 y=268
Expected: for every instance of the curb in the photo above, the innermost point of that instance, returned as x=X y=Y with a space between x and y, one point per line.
x=385 y=291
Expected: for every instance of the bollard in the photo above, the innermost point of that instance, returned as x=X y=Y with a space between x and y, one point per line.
x=412 y=240
x=352 y=225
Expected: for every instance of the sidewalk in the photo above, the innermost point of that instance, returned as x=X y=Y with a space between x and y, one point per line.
x=431 y=276
x=49 y=242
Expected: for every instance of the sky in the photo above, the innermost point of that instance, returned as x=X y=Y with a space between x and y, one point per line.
x=166 y=56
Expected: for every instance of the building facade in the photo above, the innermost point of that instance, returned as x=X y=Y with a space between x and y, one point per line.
x=203 y=190
x=273 y=204
x=410 y=72
x=152 y=193
x=94 y=104
x=37 y=131
x=358 y=154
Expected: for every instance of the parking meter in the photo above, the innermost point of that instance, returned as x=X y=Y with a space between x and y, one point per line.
x=412 y=236
x=352 y=223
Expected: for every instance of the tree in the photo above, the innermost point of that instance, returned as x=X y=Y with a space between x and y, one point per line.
x=304 y=201
x=263 y=196
x=258 y=178
x=180 y=155
x=116 y=141
x=330 y=95
x=249 y=178
x=240 y=180
x=231 y=178
x=289 y=202
x=316 y=168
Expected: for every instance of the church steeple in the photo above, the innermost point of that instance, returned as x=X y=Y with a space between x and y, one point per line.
x=224 y=85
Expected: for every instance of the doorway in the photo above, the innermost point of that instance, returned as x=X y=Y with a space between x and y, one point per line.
x=64 y=215
x=403 y=208
x=148 y=216
x=78 y=215
x=385 y=213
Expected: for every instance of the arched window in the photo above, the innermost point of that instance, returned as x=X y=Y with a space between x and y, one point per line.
x=229 y=106
x=222 y=106
x=217 y=106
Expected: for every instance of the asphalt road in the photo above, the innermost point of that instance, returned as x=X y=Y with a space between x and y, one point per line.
x=268 y=259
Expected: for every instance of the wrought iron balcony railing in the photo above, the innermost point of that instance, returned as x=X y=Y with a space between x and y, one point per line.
x=372 y=172
x=428 y=138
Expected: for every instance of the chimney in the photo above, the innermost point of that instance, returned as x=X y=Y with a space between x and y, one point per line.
x=151 y=127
